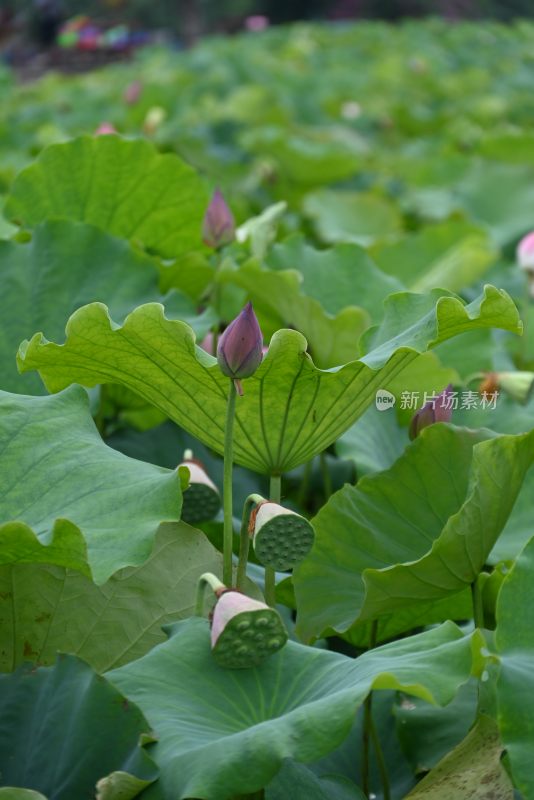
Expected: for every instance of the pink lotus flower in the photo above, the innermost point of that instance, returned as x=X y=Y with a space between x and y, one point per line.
x=256 y=22
x=104 y=129
x=525 y=252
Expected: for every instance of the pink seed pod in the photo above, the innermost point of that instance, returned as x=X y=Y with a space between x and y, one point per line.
x=282 y=538
x=244 y=632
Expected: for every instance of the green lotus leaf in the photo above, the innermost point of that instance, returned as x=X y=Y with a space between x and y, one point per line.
x=351 y=216
x=296 y=781
x=338 y=277
x=57 y=468
x=48 y=608
x=65 y=727
x=332 y=340
x=427 y=733
x=10 y=793
x=416 y=533
x=453 y=255
x=299 y=704
x=514 y=639
x=65 y=265
x=472 y=771
x=290 y=410
x=124 y=187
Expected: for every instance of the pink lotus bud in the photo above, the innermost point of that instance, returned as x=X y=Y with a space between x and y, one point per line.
x=132 y=92
x=218 y=225
x=104 y=129
x=256 y=22
x=201 y=499
x=437 y=410
x=239 y=349
x=244 y=632
x=282 y=537
x=207 y=343
x=525 y=252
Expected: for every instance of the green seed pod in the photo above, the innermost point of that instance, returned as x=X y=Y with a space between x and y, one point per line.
x=201 y=500
x=244 y=632
x=282 y=538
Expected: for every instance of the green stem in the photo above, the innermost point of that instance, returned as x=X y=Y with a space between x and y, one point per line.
x=478 y=608
x=303 y=490
x=227 y=486
x=207 y=579
x=382 y=767
x=327 y=480
x=275 y=494
x=368 y=721
x=244 y=541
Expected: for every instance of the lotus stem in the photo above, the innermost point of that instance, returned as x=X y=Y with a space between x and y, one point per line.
x=244 y=542
x=275 y=494
x=207 y=579
x=227 y=485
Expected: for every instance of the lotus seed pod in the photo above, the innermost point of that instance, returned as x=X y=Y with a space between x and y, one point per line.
x=244 y=632
x=282 y=538
x=437 y=410
x=239 y=349
x=518 y=385
x=201 y=500
x=218 y=225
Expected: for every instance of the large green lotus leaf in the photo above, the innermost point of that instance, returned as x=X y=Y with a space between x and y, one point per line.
x=299 y=704
x=472 y=771
x=47 y=608
x=416 y=533
x=347 y=759
x=297 y=781
x=64 y=266
x=57 y=467
x=63 y=546
x=514 y=639
x=427 y=733
x=337 y=277
x=310 y=157
x=453 y=255
x=332 y=340
x=374 y=442
x=351 y=216
x=457 y=607
x=63 y=728
x=513 y=148
x=10 y=793
x=519 y=528
x=501 y=196
x=290 y=410
x=123 y=186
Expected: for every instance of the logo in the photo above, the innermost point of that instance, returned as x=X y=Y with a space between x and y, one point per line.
x=384 y=400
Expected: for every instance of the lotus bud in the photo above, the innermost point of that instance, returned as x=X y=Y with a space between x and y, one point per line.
x=132 y=92
x=218 y=225
x=244 y=632
x=281 y=537
x=437 y=410
x=201 y=500
x=104 y=129
x=239 y=349
x=518 y=385
x=525 y=258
